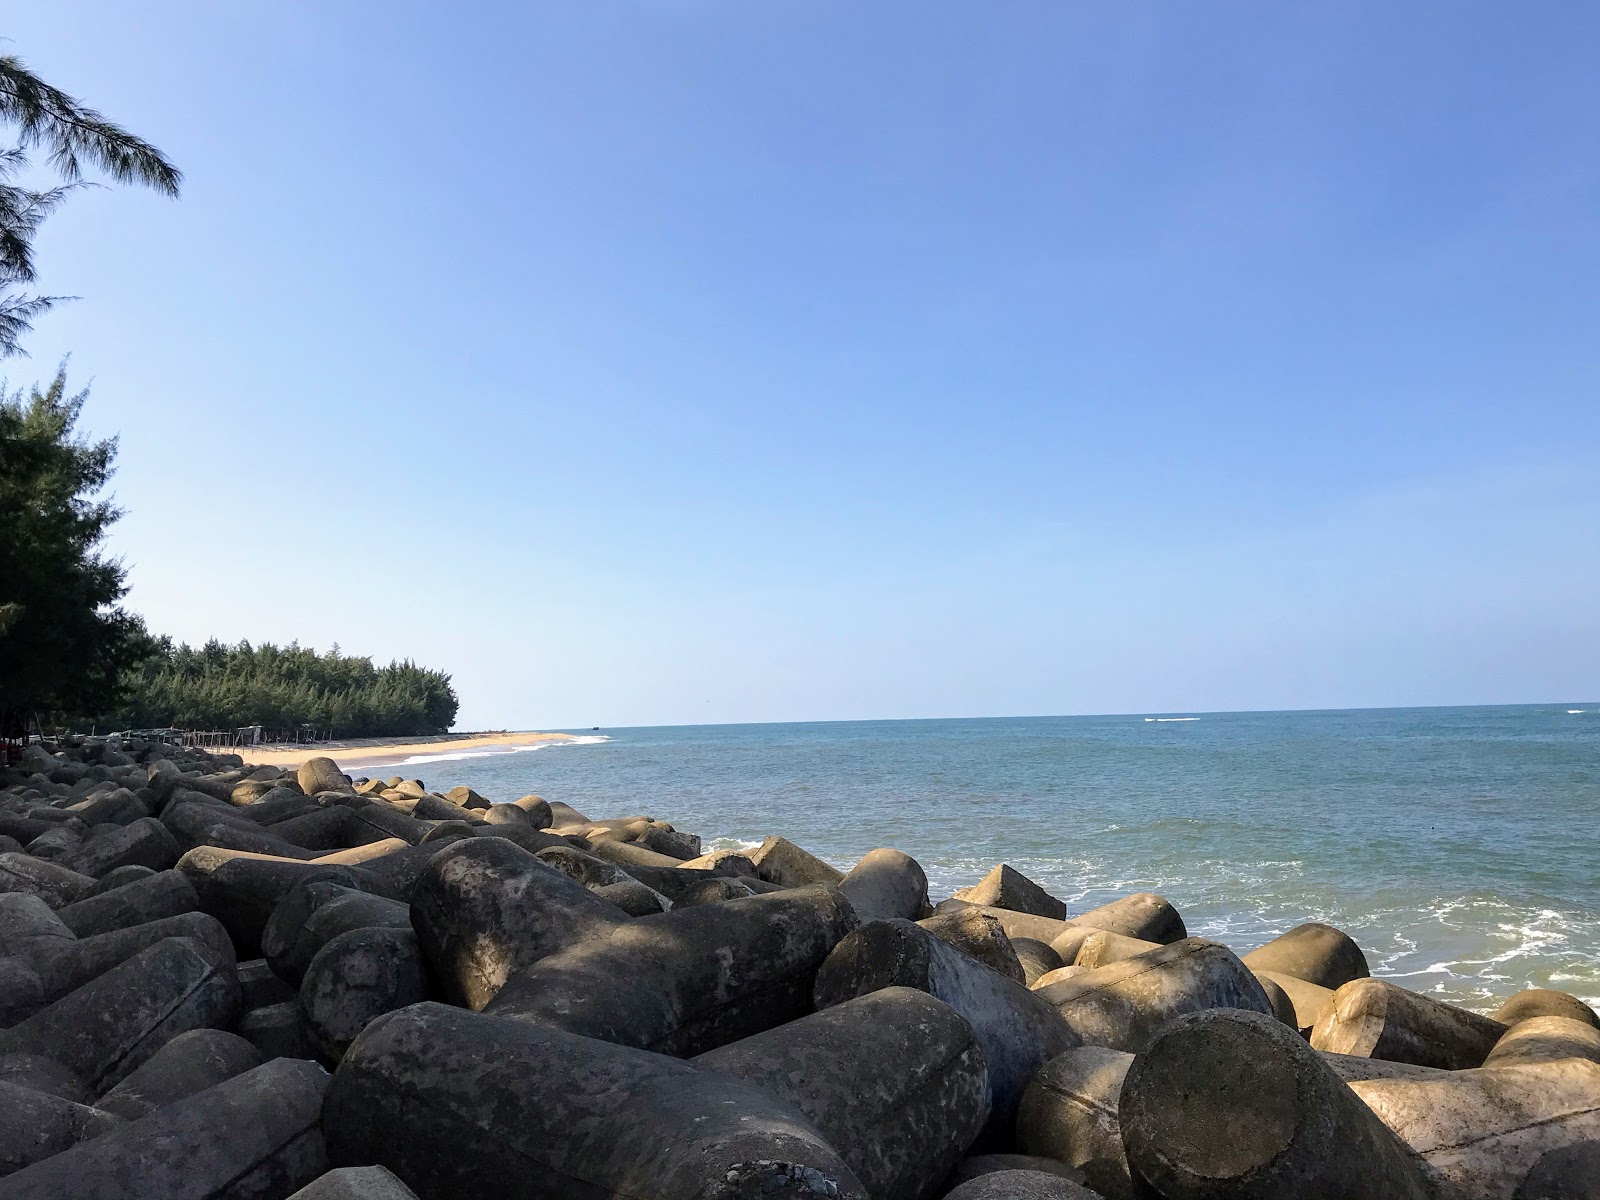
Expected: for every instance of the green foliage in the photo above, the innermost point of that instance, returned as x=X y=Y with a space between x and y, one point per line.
x=63 y=640
x=217 y=686
x=74 y=135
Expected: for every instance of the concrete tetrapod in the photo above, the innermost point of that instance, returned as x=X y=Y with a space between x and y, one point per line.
x=111 y=1025
x=1228 y=1105
x=1143 y=915
x=1036 y=958
x=1102 y=947
x=27 y=924
x=887 y=883
x=1014 y=924
x=689 y=980
x=35 y=1125
x=485 y=908
x=313 y=914
x=1017 y=1031
x=56 y=885
x=894 y=1080
x=1544 y=1002
x=464 y=1104
x=1309 y=1000
x=1123 y=1004
x=241 y=889
x=976 y=1165
x=1375 y=1019
x=1069 y=1113
x=357 y=1183
x=780 y=861
x=189 y=1063
x=164 y=894
x=1006 y=887
x=1315 y=952
x=1020 y=1185
x=1481 y=1131
x=69 y=966
x=1570 y=1173
x=974 y=932
x=356 y=978
x=1542 y=1039
x=1282 y=1006
x=256 y=1135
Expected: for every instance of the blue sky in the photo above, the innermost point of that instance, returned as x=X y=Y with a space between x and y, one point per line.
x=668 y=362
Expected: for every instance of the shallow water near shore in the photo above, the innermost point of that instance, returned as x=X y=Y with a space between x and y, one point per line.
x=1457 y=845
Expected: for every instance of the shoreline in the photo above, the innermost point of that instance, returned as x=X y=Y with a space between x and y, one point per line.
x=381 y=752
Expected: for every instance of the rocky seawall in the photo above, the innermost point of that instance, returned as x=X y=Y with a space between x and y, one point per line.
x=253 y=982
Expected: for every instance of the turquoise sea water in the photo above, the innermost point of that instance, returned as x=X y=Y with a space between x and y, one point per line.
x=1458 y=846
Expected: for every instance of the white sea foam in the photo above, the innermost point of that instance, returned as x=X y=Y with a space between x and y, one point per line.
x=588 y=739
x=1165 y=720
x=1572 y=712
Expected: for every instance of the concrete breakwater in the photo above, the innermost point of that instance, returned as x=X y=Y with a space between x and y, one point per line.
x=223 y=981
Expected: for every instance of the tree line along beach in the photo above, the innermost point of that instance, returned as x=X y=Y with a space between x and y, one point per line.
x=248 y=980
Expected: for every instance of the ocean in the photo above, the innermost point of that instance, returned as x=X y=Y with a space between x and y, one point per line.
x=1456 y=845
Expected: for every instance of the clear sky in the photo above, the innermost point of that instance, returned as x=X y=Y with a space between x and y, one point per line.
x=675 y=361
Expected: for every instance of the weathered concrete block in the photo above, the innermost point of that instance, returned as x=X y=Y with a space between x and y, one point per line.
x=257 y=1135
x=1020 y=1185
x=1142 y=915
x=689 y=980
x=634 y=898
x=539 y=810
x=1543 y=1002
x=1375 y=1019
x=111 y=1025
x=467 y=798
x=40 y=1074
x=1480 y=1132
x=978 y=1165
x=1278 y=999
x=321 y=774
x=321 y=830
x=1036 y=958
x=189 y=1063
x=67 y=966
x=54 y=884
x=35 y=1125
x=143 y=843
x=1570 y=1173
x=1309 y=1000
x=1543 y=1039
x=357 y=977
x=241 y=889
x=894 y=1080
x=1015 y=924
x=356 y=1183
x=780 y=861
x=1227 y=1105
x=1018 y=1032
x=885 y=884
x=1123 y=1004
x=313 y=914
x=258 y=986
x=1069 y=1113
x=1315 y=952
x=1006 y=887
x=278 y=1031
x=162 y=894
x=974 y=932
x=485 y=909
x=548 y=1116
x=27 y=924
x=1102 y=947
x=115 y=878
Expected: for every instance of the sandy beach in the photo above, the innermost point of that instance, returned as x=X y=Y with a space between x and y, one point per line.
x=379 y=752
